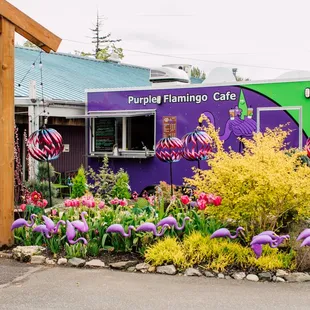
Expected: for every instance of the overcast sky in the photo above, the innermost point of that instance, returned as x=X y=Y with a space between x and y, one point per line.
x=239 y=33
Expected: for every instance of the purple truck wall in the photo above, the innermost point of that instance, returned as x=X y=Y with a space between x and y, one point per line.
x=144 y=172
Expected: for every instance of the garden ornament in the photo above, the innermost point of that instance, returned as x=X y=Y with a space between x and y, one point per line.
x=270 y=233
x=118 y=228
x=150 y=227
x=258 y=242
x=169 y=150
x=43 y=230
x=172 y=222
x=70 y=232
x=22 y=222
x=224 y=232
x=306 y=242
x=51 y=225
x=197 y=145
x=81 y=225
x=308 y=147
x=304 y=234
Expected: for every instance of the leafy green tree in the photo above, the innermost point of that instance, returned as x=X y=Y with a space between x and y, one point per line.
x=197 y=73
x=30 y=44
x=79 y=184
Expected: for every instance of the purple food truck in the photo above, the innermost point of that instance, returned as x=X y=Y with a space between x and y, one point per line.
x=125 y=124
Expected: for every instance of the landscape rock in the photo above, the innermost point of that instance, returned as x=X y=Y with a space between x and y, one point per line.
x=62 y=261
x=228 y=277
x=279 y=279
x=5 y=255
x=95 y=263
x=169 y=269
x=152 y=269
x=297 y=277
x=49 y=261
x=281 y=273
x=303 y=258
x=192 y=272
x=265 y=276
x=123 y=265
x=131 y=269
x=142 y=266
x=239 y=275
x=37 y=259
x=76 y=262
x=221 y=276
x=24 y=253
x=209 y=274
x=252 y=277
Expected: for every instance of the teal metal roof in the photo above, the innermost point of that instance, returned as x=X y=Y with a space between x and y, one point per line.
x=66 y=76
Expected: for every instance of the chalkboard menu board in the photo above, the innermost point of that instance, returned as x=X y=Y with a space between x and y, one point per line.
x=104 y=134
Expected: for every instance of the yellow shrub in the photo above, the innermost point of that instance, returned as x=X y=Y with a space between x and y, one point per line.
x=215 y=254
x=165 y=251
x=262 y=188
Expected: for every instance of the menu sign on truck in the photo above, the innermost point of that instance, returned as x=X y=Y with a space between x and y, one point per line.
x=169 y=126
x=104 y=134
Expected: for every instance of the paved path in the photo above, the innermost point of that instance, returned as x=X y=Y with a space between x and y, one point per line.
x=68 y=288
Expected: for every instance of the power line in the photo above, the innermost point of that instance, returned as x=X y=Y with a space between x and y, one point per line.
x=196 y=59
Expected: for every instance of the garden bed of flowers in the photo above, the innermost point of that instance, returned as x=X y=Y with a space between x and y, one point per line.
x=213 y=229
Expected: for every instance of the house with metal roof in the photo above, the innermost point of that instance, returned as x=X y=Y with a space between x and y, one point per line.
x=54 y=85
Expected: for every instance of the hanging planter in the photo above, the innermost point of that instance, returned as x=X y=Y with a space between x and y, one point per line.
x=44 y=145
x=197 y=145
x=169 y=150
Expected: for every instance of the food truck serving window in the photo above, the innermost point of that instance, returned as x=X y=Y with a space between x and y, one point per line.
x=128 y=132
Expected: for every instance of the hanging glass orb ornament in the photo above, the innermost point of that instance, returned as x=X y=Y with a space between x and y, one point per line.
x=196 y=145
x=169 y=150
x=45 y=144
x=308 y=147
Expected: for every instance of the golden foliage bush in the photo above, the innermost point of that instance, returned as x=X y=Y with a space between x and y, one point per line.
x=215 y=254
x=263 y=188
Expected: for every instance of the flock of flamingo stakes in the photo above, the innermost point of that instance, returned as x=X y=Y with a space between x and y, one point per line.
x=49 y=228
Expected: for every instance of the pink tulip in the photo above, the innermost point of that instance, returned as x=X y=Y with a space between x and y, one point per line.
x=23 y=207
x=101 y=205
x=114 y=201
x=185 y=199
x=123 y=202
x=54 y=212
x=44 y=202
x=203 y=196
x=202 y=204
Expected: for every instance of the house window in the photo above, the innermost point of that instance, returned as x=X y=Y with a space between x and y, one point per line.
x=130 y=132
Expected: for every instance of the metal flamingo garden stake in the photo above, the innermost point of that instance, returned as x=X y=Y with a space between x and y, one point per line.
x=43 y=230
x=81 y=226
x=45 y=145
x=196 y=146
x=70 y=233
x=119 y=229
x=150 y=227
x=224 y=232
x=22 y=222
x=169 y=150
x=51 y=226
x=172 y=222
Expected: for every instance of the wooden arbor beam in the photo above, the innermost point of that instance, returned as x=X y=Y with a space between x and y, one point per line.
x=29 y=28
x=7 y=33
x=11 y=20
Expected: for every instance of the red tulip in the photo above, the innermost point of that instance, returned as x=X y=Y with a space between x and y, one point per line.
x=217 y=201
x=202 y=204
x=185 y=199
x=23 y=207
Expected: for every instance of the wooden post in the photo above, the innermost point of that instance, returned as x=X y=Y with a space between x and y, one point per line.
x=11 y=20
x=7 y=32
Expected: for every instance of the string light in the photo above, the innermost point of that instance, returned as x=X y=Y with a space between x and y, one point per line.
x=31 y=67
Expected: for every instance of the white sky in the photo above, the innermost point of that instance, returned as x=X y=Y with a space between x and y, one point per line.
x=265 y=33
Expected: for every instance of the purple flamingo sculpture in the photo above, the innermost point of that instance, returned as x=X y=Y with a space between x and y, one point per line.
x=51 y=225
x=22 y=222
x=150 y=227
x=224 y=232
x=172 y=222
x=258 y=242
x=306 y=242
x=43 y=230
x=70 y=233
x=270 y=233
x=119 y=229
x=304 y=234
x=81 y=225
